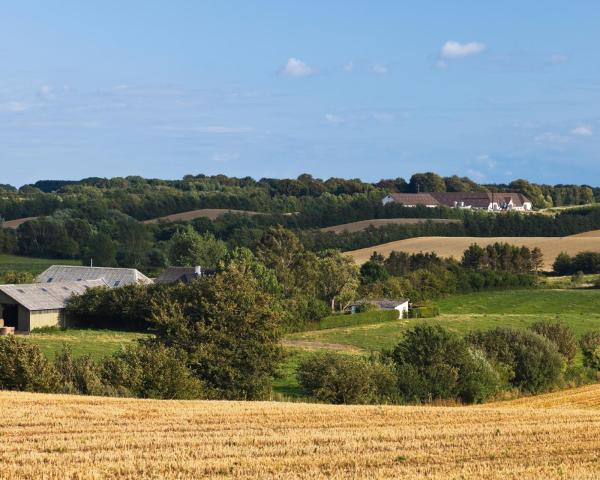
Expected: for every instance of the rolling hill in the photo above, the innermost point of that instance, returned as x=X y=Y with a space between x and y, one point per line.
x=14 y=224
x=379 y=222
x=61 y=436
x=210 y=213
x=455 y=246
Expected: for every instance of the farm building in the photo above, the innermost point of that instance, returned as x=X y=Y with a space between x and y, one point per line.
x=493 y=202
x=182 y=274
x=401 y=305
x=114 y=277
x=36 y=305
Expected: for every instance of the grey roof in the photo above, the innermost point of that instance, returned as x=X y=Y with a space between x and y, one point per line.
x=114 y=277
x=473 y=199
x=39 y=296
x=183 y=274
x=383 y=304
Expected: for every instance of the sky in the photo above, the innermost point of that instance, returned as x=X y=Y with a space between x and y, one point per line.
x=356 y=89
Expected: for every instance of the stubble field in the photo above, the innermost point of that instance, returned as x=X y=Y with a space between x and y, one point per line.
x=60 y=437
x=379 y=222
x=455 y=246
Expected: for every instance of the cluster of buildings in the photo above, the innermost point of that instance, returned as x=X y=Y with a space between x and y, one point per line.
x=490 y=201
x=25 y=307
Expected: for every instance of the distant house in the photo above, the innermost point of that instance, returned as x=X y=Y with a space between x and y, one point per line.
x=36 y=305
x=401 y=305
x=493 y=202
x=113 y=277
x=182 y=274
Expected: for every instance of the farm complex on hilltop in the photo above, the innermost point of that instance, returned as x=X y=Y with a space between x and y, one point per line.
x=493 y=202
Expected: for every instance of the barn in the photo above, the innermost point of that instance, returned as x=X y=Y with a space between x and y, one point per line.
x=35 y=305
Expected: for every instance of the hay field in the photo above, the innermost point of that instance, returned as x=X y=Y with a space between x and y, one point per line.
x=582 y=397
x=59 y=437
x=379 y=222
x=592 y=233
x=210 y=213
x=14 y=224
x=455 y=246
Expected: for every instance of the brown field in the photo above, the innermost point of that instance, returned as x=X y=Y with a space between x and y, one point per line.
x=582 y=397
x=592 y=233
x=17 y=222
x=210 y=213
x=60 y=437
x=379 y=222
x=455 y=246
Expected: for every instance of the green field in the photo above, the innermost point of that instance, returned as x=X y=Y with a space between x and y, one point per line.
x=96 y=343
x=479 y=311
x=30 y=264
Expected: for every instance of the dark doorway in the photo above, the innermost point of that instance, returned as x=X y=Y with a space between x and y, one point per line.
x=10 y=314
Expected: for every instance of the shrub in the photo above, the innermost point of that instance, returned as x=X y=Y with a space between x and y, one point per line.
x=590 y=347
x=423 y=311
x=346 y=379
x=79 y=375
x=148 y=371
x=561 y=335
x=433 y=363
x=24 y=367
x=531 y=362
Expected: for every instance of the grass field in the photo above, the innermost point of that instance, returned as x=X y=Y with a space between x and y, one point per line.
x=379 y=222
x=455 y=246
x=478 y=311
x=96 y=343
x=210 y=213
x=30 y=264
x=58 y=437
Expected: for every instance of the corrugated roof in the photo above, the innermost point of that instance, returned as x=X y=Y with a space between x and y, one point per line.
x=414 y=198
x=471 y=199
x=114 y=277
x=383 y=303
x=176 y=274
x=53 y=296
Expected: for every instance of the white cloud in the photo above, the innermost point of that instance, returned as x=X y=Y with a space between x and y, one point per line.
x=384 y=117
x=582 y=131
x=207 y=129
x=14 y=107
x=452 y=49
x=558 y=58
x=349 y=67
x=550 y=138
x=334 y=119
x=297 y=68
x=379 y=69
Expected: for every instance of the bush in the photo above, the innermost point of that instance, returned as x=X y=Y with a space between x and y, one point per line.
x=146 y=371
x=560 y=334
x=345 y=379
x=590 y=347
x=423 y=311
x=79 y=375
x=531 y=362
x=24 y=367
x=433 y=363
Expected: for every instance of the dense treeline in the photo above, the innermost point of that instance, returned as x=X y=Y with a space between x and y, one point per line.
x=584 y=262
x=150 y=198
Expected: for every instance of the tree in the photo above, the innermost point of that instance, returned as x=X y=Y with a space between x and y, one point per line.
x=590 y=347
x=433 y=363
x=339 y=278
x=188 y=248
x=563 y=264
x=426 y=182
x=229 y=329
x=473 y=257
x=560 y=334
x=101 y=251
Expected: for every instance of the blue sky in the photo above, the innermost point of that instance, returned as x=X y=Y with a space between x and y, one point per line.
x=338 y=88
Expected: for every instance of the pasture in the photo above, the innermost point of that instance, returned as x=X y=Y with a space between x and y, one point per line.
x=379 y=222
x=30 y=264
x=455 y=246
x=90 y=437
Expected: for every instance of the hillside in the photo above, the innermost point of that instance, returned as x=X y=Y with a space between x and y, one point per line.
x=210 y=213
x=455 y=246
x=379 y=222
x=14 y=224
x=582 y=397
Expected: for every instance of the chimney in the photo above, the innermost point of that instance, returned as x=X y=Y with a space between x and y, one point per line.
x=198 y=270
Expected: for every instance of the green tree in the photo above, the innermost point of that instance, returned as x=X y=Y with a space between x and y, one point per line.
x=188 y=248
x=101 y=250
x=338 y=278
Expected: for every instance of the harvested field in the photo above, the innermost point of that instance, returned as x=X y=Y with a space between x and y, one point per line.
x=58 y=437
x=593 y=233
x=582 y=397
x=455 y=246
x=379 y=222
x=14 y=224
x=210 y=213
